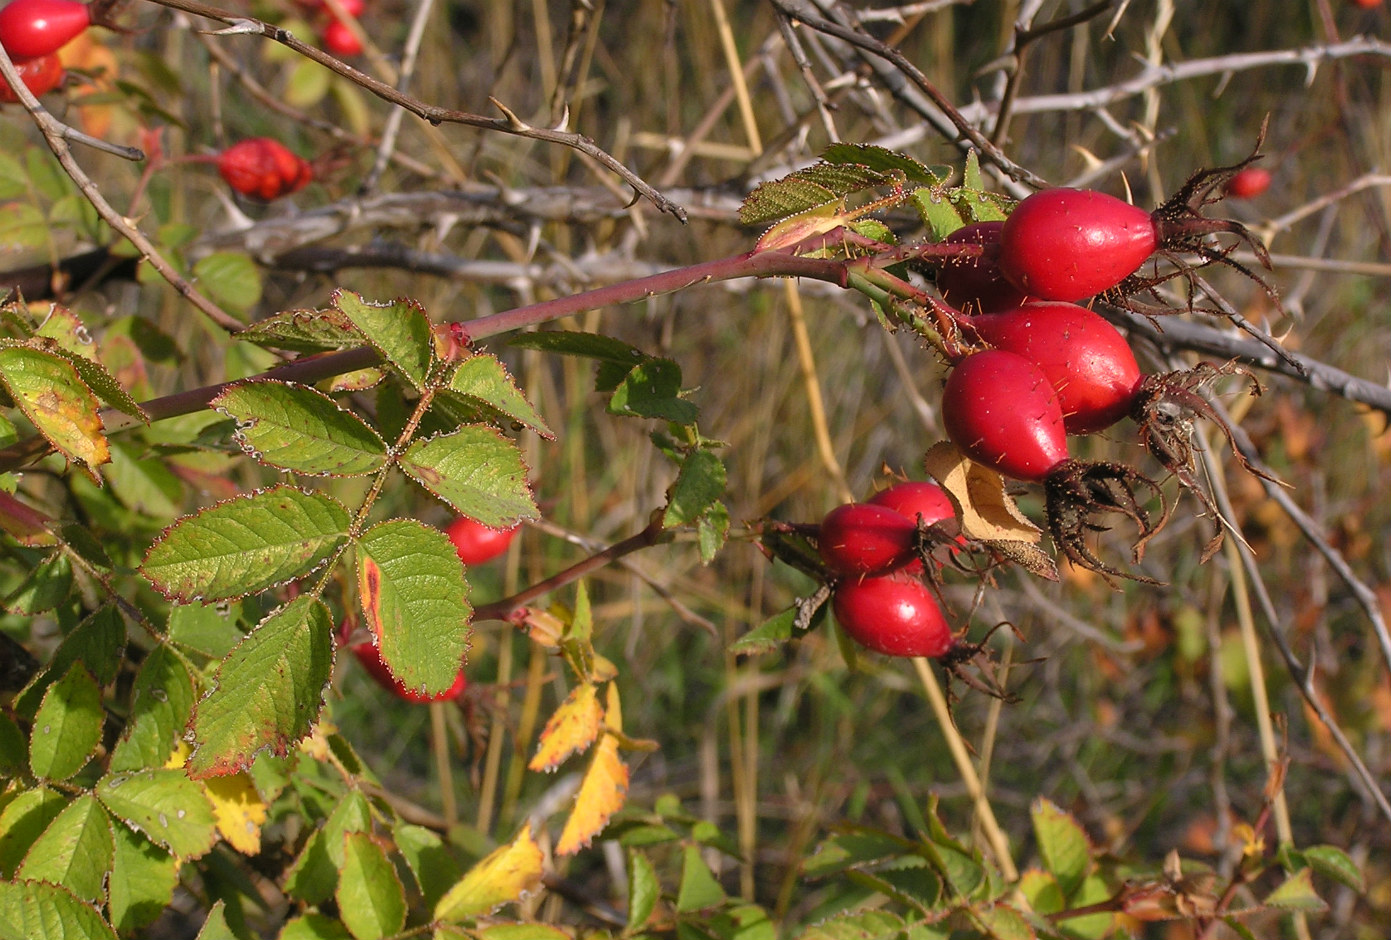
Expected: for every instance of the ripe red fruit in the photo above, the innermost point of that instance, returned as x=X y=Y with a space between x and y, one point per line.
x=863 y=539
x=975 y=285
x=918 y=500
x=39 y=75
x=1000 y=410
x=1248 y=183
x=896 y=615
x=371 y=659
x=33 y=28
x=1086 y=359
x=477 y=543
x=1067 y=244
x=340 y=40
x=263 y=168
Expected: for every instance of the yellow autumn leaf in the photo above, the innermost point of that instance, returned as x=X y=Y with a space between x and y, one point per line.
x=508 y=873
x=604 y=787
x=987 y=512
x=239 y=810
x=571 y=729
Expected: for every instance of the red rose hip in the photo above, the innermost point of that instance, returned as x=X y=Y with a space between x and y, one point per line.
x=476 y=542
x=39 y=75
x=863 y=539
x=1000 y=410
x=263 y=168
x=30 y=29
x=897 y=615
x=975 y=285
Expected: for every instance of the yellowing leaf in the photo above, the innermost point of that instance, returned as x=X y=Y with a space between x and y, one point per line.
x=987 y=512
x=507 y=874
x=604 y=788
x=570 y=730
x=238 y=809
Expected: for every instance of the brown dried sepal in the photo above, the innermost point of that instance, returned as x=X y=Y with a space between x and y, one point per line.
x=1077 y=491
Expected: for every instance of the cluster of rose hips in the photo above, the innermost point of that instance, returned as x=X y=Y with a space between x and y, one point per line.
x=32 y=32
x=475 y=544
x=263 y=168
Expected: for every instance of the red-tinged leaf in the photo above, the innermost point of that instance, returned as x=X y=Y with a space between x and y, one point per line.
x=96 y=377
x=268 y=692
x=296 y=428
x=604 y=788
x=507 y=874
x=33 y=910
x=415 y=601
x=306 y=331
x=53 y=397
x=571 y=728
x=246 y=544
x=399 y=330
x=370 y=895
x=27 y=525
x=477 y=471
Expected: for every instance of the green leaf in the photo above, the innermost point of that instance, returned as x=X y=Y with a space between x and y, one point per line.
x=215 y=927
x=1063 y=844
x=75 y=851
x=1332 y=862
x=859 y=925
x=314 y=876
x=938 y=213
x=67 y=726
x=315 y=927
x=23 y=228
x=652 y=389
x=698 y=889
x=883 y=160
x=32 y=910
x=910 y=880
x=767 y=636
x=165 y=806
x=14 y=749
x=400 y=331
x=246 y=544
x=370 y=896
x=415 y=601
x=520 y=931
x=483 y=381
x=230 y=279
x=853 y=848
x=53 y=397
x=1296 y=893
x=142 y=881
x=210 y=629
x=1003 y=922
x=144 y=484
x=698 y=487
x=644 y=890
x=24 y=820
x=712 y=530
x=296 y=428
x=268 y=691
x=818 y=186
x=44 y=588
x=586 y=345
x=477 y=471
x=160 y=706
x=14 y=181
x=428 y=859
x=306 y=331
x=97 y=378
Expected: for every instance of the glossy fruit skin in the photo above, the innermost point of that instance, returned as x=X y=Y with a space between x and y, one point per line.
x=1067 y=244
x=371 y=659
x=39 y=75
x=863 y=539
x=263 y=169
x=976 y=285
x=916 y=499
x=896 y=615
x=1000 y=410
x=1248 y=183
x=1086 y=359
x=477 y=543
x=340 y=40
x=30 y=29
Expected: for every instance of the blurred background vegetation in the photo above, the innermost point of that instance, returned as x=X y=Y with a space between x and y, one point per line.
x=1134 y=708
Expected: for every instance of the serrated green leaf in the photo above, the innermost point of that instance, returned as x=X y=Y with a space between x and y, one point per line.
x=859 y=925
x=142 y=881
x=230 y=279
x=698 y=889
x=23 y=228
x=811 y=188
x=712 y=530
x=75 y=851
x=144 y=484
x=24 y=819
x=477 y=471
x=1063 y=844
x=644 y=890
x=767 y=636
x=1296 y=893
x=698 y=486
x=246 y=544
x=586 y=345
x=32 y=910
x=980 y=206
x=369 y=893
x=415 y=601
x=428 y=859
x=1332 y=862
x=306 y=331
x=970 y=174
x=67 y=726
x=160 y=706
x=315 y=927
x=653 y=390
x=483 y=380
x=96 y=377
x=296 y=428
x=521 y=931
x=211 y=629
x=1003 y=922
x=165 y=806
x=910 y=880
x=44 y=588
x=314 y=876
x=64 y=330
x=853 y=849
x=268 y=692
x=215 y=926
x=53 y=397
x=883 y=160
x=938 y=213
x=400 y=331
